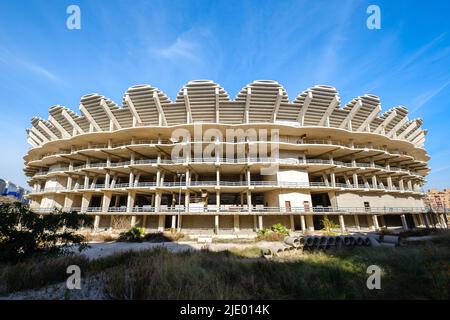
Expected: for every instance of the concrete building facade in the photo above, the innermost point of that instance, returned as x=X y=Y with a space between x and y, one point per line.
x=205 y=161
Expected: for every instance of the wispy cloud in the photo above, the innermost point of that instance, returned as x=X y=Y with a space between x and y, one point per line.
x=425 y=97
x=181 y=48
x=8 y=58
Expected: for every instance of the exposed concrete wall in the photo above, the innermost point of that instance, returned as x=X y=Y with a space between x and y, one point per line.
x=278 y=198
x=246 y=222
x=105 y=222
x=346 y=199
x=269 y=221
x=226 y=222
x=292 y=176
x=198 y=222
x=152 y=222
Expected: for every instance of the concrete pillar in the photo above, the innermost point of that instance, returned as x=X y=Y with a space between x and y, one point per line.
x=341 y=223
x=106 y=200
x=357 y=222
x=291 y=218
x=218 y=201
x=249 y=201
x=107 y=179
x=161 y=222
x=355 y=180
x=416 y=220
x=375 y=222
x=216 y=224
x=157 y=201
x=158 y=177
x=310 y=222
x=421 y=222
x=187 y=197
x=133 y=221
x=260 y=222
x=69 y=183
x=374 y=182
x=443 y=222
x=427 y=221
x=96 y=221
x=303 y=223
x=85 y=201
x=217 y=176
x=130 y=201
x=236 y=222
x=404 y=224
x=333 y=179
x=174 y=220
x=86 y=182
x=389 y=182
x=68 y=201
x=369 y=221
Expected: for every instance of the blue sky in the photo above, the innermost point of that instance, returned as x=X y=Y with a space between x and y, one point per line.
x=167 y=43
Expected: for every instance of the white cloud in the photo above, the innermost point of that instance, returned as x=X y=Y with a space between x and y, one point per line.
x=423 y=99
x=8 y=58
x=182 y=48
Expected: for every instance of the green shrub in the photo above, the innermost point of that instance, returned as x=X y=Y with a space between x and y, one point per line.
x=134 y=234
x=24 y=233
x=280 y=229
x=329 y=225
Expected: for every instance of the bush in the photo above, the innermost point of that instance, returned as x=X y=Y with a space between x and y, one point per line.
x=329 y=225
x=280 y=229
x=276 y=233
x=134 y=234
x=23 y=232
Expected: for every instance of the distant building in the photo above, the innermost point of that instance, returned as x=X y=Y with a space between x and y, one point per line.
x=10 y=189
x=438 y=200
x=2 y=186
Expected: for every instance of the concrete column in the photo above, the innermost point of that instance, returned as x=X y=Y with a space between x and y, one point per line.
x=157 y=201
x=174 y=220
x=130 y=201
x=218 y=201
x=443 y=222
x=107 y=179
x=333 y=179
x=291 y=218
x=375 y=222
x=404 y=224
x=86 y=182
x=341 y=223
x=416 y=220
x=310 y=222
x=187 y=197
x=216 y=224
x=357 y=222
x=96 y=221
x=374 y=181
x=68 y=201
x=303 y=223
x=383 y=222
x=427 y=221
x=217 y=176
x=85 y=201
x=389 y=182
x=131 y=178
x=106 y=201
x=248 y=177
x=161 y=221
x=422 y=223
x=355 y=180
x=236 y=222
x=401 y=185
x=69 y=183
x=260 y=222
x=133 y=221
x=158 y=178
x=249 y=201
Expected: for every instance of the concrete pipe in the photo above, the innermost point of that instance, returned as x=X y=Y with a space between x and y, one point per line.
x=373 y=241
x=309 y=241
x=338 y=241
x=327 y=246
x=359 y=241
x=302 y=241
x=366 y=241
x=331 y=241
x=390 y=239
x=346 y=241
x=266 y=253
x=292 y=241
x=316 y=240
x=352 y=241
x=323 y=240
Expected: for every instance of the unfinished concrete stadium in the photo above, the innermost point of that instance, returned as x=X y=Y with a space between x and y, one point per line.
x=208 y=162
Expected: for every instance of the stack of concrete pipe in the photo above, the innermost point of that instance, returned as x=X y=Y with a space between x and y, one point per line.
x=328 y=242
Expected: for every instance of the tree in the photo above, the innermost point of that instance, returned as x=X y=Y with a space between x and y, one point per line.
x=23 y=232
